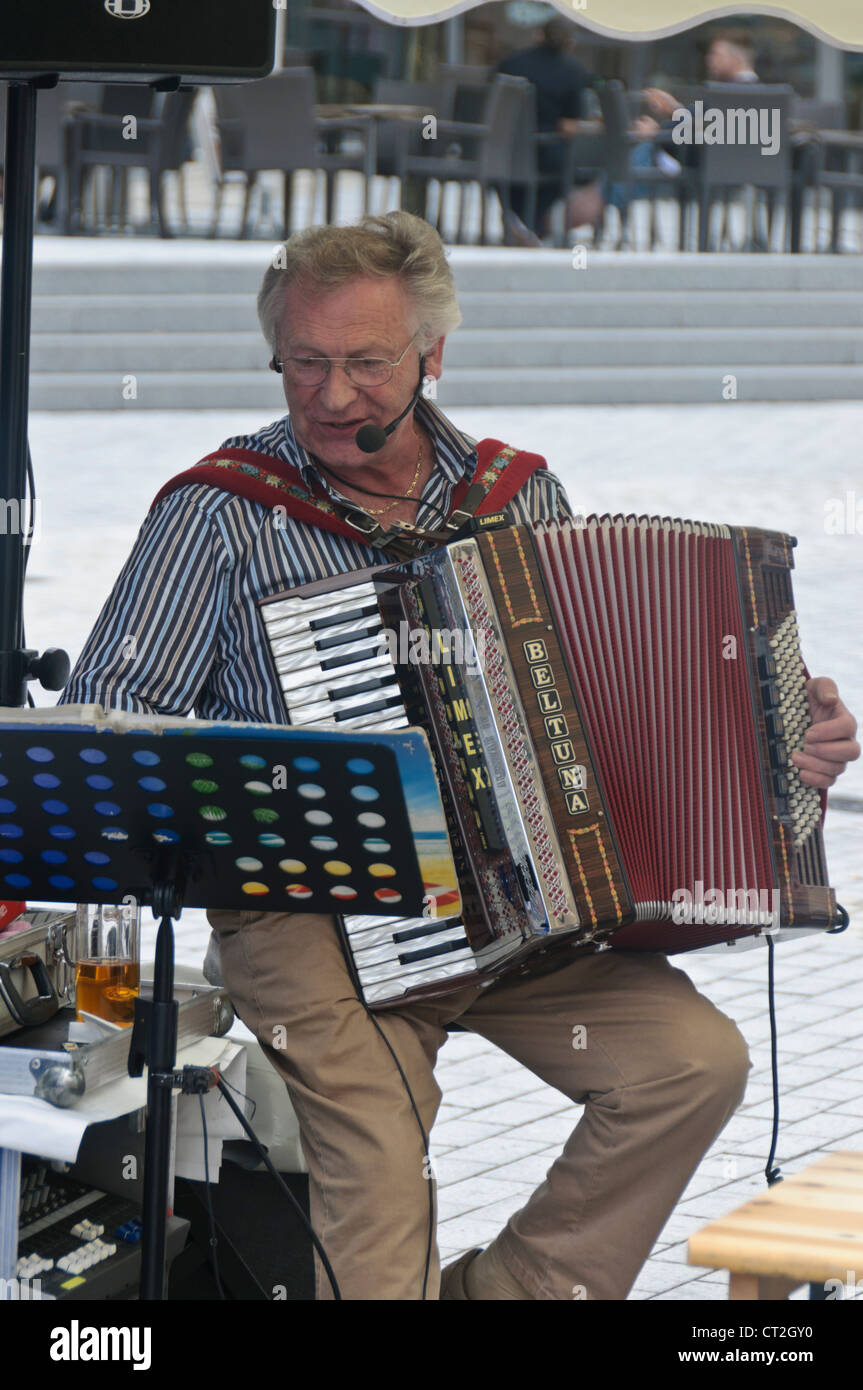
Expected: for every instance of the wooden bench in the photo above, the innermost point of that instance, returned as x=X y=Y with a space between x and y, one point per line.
x=806 y=1229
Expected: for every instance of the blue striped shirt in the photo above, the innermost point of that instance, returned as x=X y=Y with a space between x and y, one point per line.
x=180 y=630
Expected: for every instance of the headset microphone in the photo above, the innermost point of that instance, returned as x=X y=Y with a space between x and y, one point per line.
x=371 y=438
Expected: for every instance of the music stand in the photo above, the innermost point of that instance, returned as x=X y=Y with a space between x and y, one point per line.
x=176 y=813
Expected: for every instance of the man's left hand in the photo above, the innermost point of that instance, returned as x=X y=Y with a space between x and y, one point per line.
x=829 y=745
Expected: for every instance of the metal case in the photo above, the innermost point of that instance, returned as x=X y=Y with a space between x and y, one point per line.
x=37 y=976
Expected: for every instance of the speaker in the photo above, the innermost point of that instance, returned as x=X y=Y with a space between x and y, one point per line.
x=197 y=41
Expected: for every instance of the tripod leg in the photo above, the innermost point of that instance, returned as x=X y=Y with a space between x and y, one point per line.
x=161 y=1057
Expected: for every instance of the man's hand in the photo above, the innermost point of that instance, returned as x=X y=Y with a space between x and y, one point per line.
x=829 y=745
x=661 y=104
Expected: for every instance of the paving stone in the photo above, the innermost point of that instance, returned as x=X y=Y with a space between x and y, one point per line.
x=679 y=1227
x=792 y=1106
x=448 y=1111
x=825 y=1127
x=478 y=1192
x=458 y=1133
x=453 y=1168
x=520 y=1112
x=554 y=1128
x=696 y=1291
x=832 y=1088
x=851 y=1107
x=503 y=1148
x=531 y=1169
x=465 y=1232
x=479 y=1094
x=657 y=1277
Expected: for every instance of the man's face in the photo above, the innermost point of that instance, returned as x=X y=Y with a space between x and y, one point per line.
x=722 y=62
x=364 y=318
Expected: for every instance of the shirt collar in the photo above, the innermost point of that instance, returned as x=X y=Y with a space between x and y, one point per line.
x=455 y=451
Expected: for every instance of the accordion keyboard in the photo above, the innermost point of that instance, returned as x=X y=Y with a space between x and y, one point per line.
x=333 y=660
x=334 y=667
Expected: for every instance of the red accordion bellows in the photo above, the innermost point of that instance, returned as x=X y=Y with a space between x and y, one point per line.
x=651 y=623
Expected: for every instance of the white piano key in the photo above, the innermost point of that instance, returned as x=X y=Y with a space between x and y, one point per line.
x=317 y=605
x=299 y=624
x=317 y=711
x=391 y=970
x=352 y=654
x=297 y=696
x=365 y=629
x=377 y=953
x=384 y=928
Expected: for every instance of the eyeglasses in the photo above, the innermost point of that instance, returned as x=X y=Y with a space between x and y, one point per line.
x=362 y=371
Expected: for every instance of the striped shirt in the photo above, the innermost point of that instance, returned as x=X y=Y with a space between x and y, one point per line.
x=180 y=630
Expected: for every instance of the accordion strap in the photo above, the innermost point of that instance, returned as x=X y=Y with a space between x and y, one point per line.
x=501 y=471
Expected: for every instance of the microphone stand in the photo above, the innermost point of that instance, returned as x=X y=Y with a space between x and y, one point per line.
x=17 y=665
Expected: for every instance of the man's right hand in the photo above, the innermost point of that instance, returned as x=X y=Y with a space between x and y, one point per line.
x=662 y=104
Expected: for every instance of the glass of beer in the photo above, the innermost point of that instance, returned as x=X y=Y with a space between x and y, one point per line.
x=107 y=937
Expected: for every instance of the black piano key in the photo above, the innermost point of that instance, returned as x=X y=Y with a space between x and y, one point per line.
x=332 y=663
x=430 y=928
x=358 y=711
x=445 y=949
x=324 y=644
x=363 y=687
x=367 y=611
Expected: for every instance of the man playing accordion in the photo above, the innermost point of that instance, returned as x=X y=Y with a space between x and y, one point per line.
x=356 y=317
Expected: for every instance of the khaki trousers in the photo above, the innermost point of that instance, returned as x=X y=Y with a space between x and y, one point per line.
x=658 y=1069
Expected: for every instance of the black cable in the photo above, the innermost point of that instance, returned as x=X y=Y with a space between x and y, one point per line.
x=31 y=516
x=771 y=1173
x=243 y=1096
x=426 y=1155
x=214 y=1249
x=396 y=496
x=265 y=1159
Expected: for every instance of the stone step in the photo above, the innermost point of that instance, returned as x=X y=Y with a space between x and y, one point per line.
x=215 y=268
x=466 y=349
x=222 y=314
x=718 y=309
x=180 y=319
x=196 y=390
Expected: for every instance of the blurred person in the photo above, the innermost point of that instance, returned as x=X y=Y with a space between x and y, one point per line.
x=561 y=82
x=729 y=58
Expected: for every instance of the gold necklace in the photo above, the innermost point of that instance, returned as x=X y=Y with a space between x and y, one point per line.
x=382 y=511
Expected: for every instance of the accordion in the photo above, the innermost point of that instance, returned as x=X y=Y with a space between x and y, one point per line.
x=612 y=704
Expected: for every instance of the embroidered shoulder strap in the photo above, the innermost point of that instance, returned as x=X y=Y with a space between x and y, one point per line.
x=501 y=471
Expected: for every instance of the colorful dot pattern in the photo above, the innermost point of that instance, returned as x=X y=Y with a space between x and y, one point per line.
x=90 y=814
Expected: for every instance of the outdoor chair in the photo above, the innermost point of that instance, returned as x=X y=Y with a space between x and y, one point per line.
x=821 y=115
x=96 y=140
x=468 y=152
x=620 y=141
x=844 y=185
x=398 y=138
x=721 y=169
x=51 y=105
x=272 y=125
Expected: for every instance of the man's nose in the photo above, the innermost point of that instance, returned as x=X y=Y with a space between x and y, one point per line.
x=337 y=390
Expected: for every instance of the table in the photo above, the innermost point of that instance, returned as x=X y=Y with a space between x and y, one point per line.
x=806 y=1229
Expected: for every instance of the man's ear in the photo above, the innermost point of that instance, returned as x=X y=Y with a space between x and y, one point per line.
x=434 y=359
